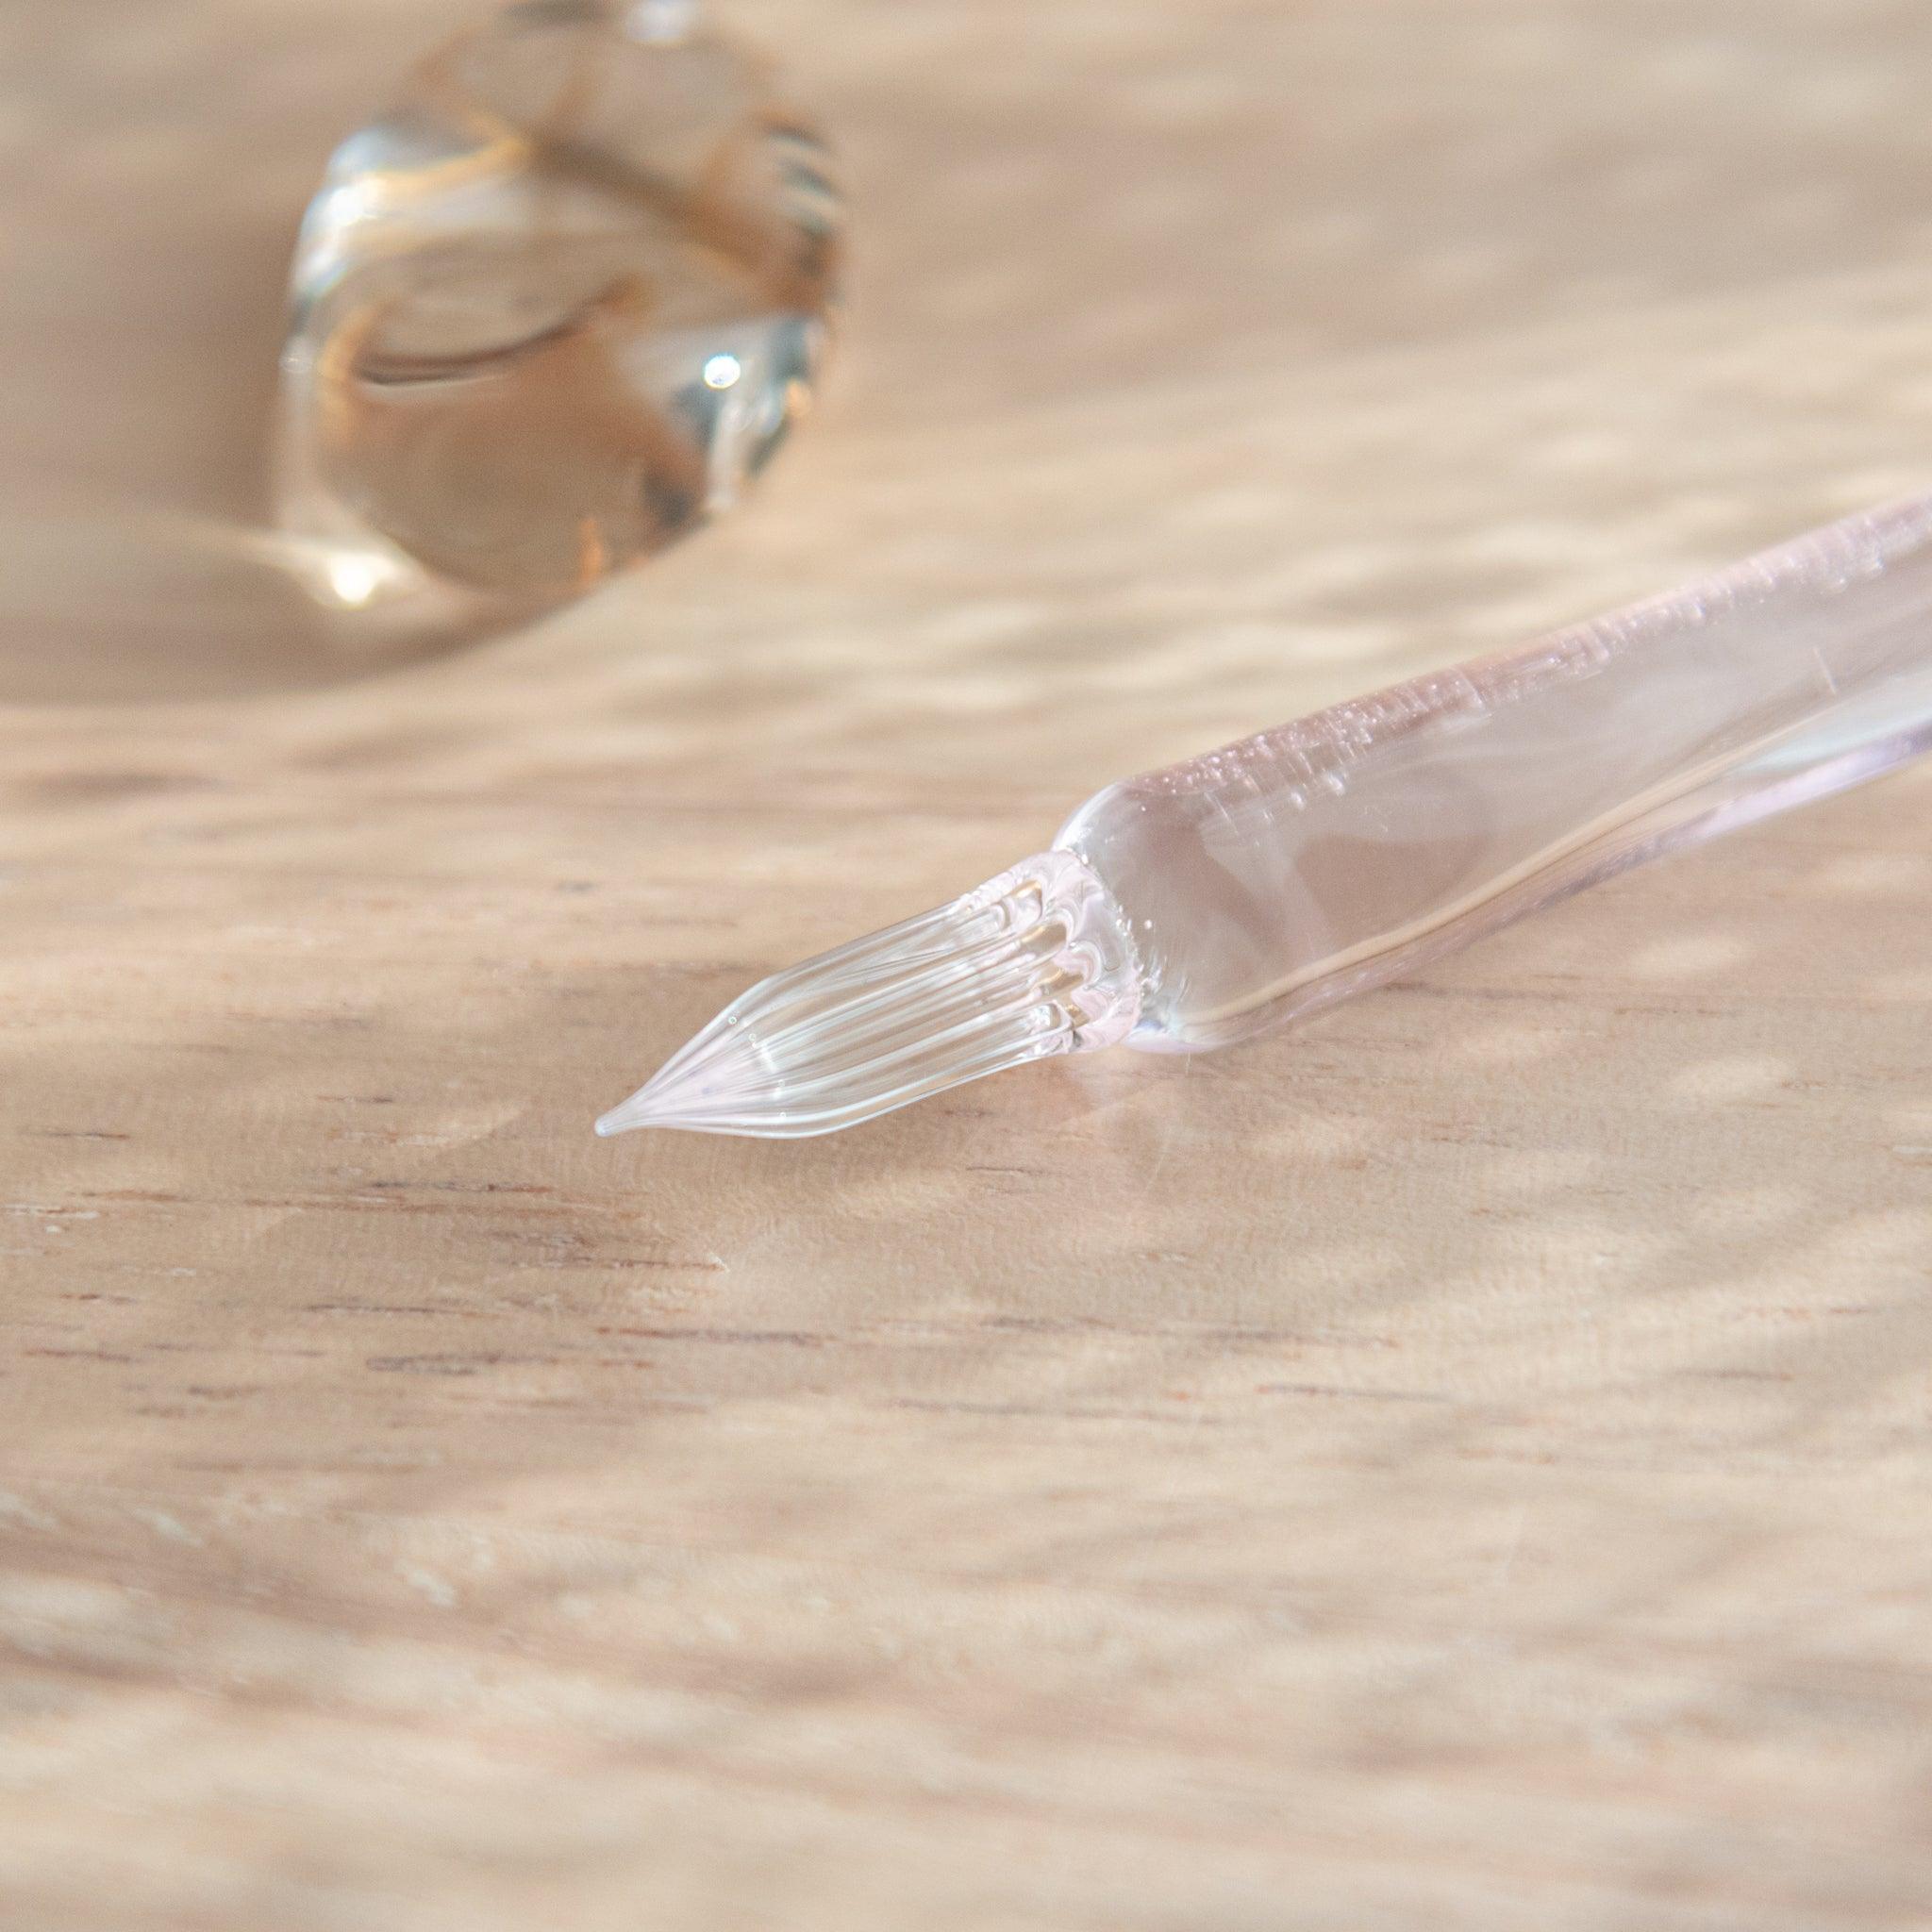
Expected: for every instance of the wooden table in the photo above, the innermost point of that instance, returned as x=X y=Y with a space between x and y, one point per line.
x=1464 y=1465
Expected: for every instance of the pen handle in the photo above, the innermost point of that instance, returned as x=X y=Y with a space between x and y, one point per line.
x=1268 y=880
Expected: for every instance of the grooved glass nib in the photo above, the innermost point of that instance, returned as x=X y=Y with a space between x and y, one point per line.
x=1034 y=963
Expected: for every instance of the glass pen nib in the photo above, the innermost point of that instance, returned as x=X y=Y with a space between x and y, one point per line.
x=1033 y=964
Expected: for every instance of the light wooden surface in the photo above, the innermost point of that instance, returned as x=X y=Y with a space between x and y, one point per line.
x=1464 y=1466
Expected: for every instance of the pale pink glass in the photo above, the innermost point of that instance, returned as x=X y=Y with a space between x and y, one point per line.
x=1199 y=905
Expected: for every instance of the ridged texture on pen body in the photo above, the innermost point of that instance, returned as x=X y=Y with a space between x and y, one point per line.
x=1288 y=871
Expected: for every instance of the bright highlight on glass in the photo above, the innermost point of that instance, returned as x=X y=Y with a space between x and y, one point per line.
x=354 y=580
x=1201 y=905
x=520 y=286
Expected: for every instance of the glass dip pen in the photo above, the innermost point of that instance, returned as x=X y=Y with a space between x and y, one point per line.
x=1201 y=905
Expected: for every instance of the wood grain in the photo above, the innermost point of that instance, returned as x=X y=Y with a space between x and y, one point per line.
x=1461 y=1466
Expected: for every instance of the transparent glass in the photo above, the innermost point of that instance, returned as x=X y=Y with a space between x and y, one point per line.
x=1219 y=898
x=1277 y=876
x=561 y=292
x=552 y=309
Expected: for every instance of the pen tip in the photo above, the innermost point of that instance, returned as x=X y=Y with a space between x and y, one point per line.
x=1035 y=962
x=651 y=1106
x=717 y=1074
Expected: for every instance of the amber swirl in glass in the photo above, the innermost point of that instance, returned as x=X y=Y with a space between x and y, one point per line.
x=553 y=309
